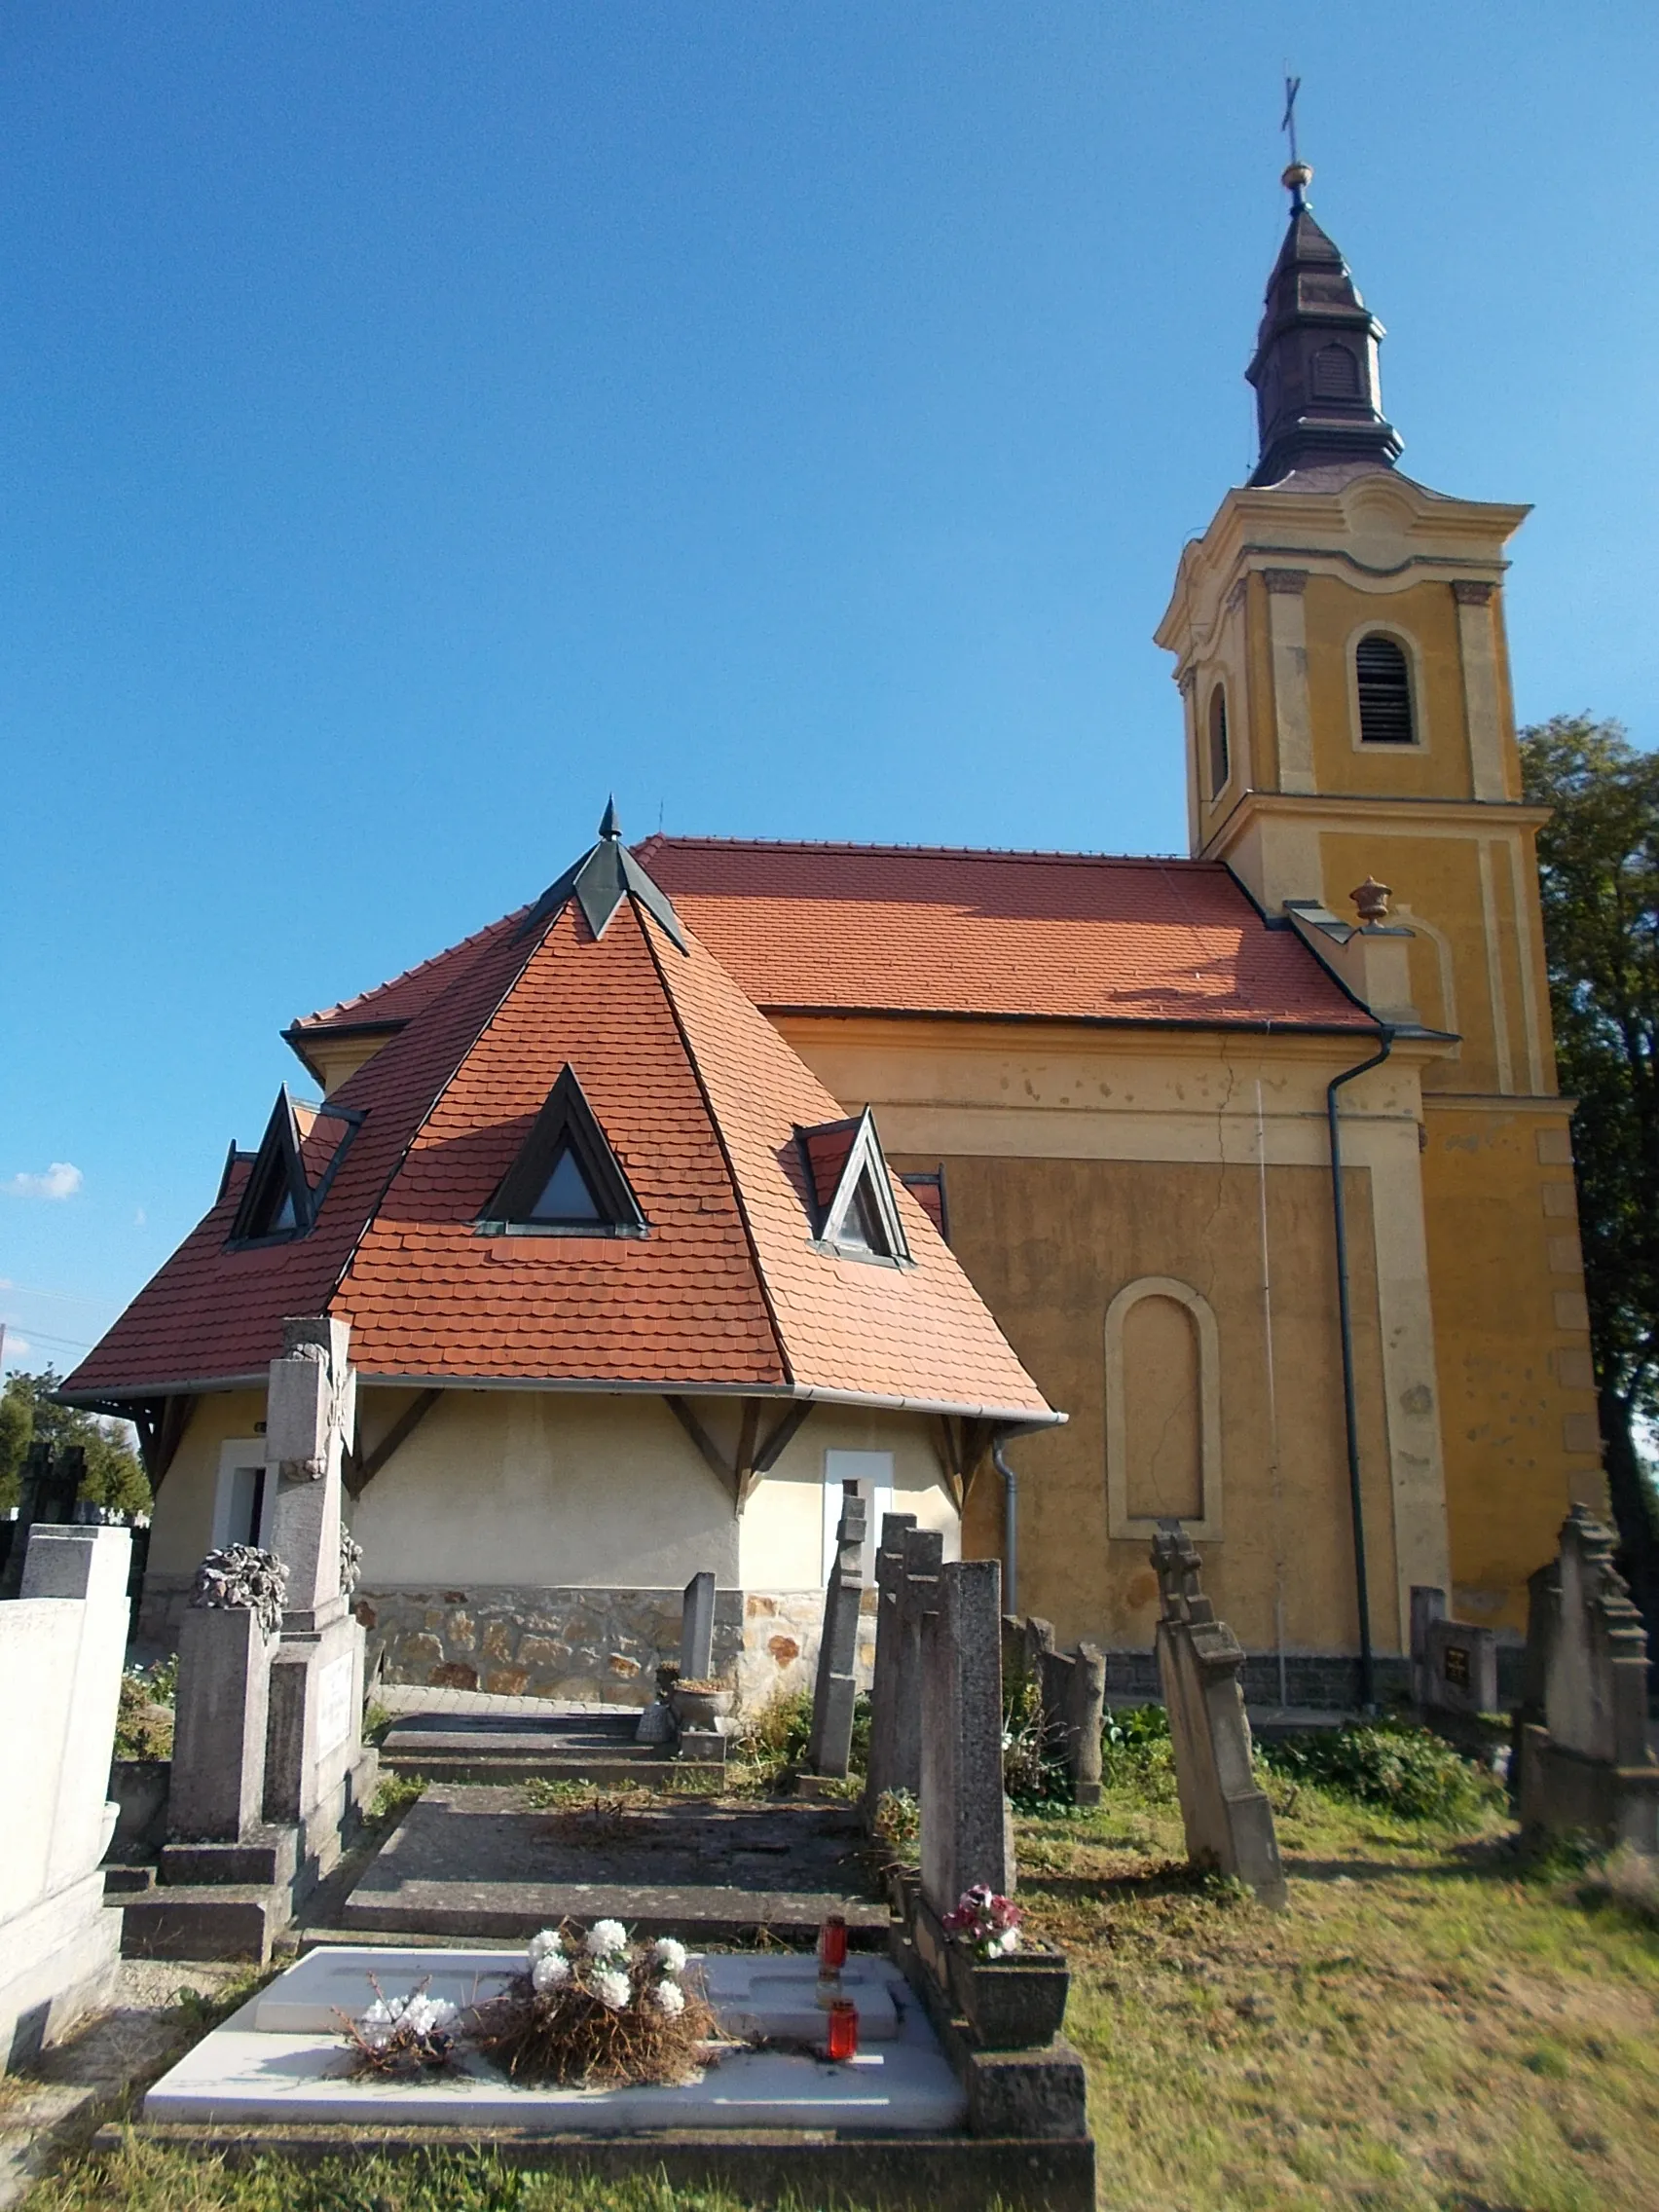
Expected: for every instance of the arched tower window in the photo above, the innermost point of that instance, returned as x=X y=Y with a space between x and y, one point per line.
x=1336 y=374
x=1384 y=681
x=1220 y=765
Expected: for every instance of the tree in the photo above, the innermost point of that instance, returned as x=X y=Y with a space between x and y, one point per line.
x=27 y=1415
x=1599 y=869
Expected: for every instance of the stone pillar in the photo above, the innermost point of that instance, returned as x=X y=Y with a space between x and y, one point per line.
x=836 y=1693
x=697 y=1628
x=1084 y=1715
x=966 y=1833
x=1227 y=1818
x=918 y=1594
x=884 y=1683
x=217 y=1791
x=314 y=1738
x=1477 y=644
x=1287 y=632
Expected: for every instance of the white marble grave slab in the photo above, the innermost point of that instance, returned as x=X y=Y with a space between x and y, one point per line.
x=752 y=1995
x=241 y=2073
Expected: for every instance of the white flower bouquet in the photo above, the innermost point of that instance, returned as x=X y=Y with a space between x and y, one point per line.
x=597 y=2009
x=402 y=2035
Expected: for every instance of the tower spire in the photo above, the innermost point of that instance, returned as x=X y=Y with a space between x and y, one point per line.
x=1318 y=391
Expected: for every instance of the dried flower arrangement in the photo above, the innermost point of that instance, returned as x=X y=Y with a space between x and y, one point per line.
x=597 y=2009
x=402 y=2035
x=987 y=1923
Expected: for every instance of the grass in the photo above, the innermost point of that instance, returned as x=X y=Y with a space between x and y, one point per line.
x=1438 y=2022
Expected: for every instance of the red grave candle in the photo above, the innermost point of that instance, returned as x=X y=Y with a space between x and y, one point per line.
x=833 y=1944
x=843 y=2029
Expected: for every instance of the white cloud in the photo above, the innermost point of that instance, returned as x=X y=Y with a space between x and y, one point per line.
x=17 y=1347
x=140 y=1219
x=61 y=1181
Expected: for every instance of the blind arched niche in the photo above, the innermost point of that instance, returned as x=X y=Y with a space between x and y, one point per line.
x=1162 y=1410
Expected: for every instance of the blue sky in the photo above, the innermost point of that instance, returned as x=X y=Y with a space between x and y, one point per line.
x=419 y=419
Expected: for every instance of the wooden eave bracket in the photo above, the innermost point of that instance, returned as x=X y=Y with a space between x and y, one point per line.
x=357 y=1474
x=962 y=1443
x=754 y=1455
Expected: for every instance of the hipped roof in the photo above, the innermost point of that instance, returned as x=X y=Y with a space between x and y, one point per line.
x=699 y=1096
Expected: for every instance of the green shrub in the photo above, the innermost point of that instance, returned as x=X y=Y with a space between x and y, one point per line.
x=1137 y=1755
x=1034 y=1771
x=1408 y=1771
x=144 y=1721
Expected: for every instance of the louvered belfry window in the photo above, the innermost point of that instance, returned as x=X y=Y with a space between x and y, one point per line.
x=1219 y=763
x=1384 y=692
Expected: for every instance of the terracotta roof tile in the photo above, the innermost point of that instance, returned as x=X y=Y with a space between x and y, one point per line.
x=1060 y=936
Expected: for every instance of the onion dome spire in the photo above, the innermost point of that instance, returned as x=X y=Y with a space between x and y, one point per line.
x=1318 y=393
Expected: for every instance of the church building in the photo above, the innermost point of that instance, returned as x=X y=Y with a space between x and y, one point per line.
x=1043 y=1194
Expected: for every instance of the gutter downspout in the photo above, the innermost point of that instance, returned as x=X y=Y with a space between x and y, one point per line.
x=1351 y=1409
x=1010 y=1527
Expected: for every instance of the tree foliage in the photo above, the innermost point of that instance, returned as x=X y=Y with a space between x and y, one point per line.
x=1598 y=870
x=27 y=1415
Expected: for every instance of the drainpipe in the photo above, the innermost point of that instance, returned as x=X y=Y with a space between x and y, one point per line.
x=1010 y=1528
x=1350 y=1406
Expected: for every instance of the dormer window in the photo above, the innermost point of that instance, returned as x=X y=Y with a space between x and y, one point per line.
x=1384 y=680
x=302 y=1147
x=567 y=1180
x=857 y=1213
x=1220 y=761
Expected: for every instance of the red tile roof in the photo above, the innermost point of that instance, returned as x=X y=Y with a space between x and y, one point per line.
x=894 y=929
x=700 y=1097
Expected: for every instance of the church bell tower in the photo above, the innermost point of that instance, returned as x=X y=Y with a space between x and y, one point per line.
x=1339 y=647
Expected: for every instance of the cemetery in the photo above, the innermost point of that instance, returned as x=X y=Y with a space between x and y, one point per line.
x=901 y=1988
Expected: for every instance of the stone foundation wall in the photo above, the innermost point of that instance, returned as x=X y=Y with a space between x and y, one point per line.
x=597 y=1645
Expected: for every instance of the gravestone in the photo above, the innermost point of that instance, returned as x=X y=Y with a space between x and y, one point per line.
x=881 y=1773
x=216 y=1785
x=61 y=1643
x=1228 y=1821
x=835 y=1691
x=1070 y=1697
x=697 y=1628
x=1454 y=1662
x=314 y=1741
x=967 y=1834
x=1586 y=1762
x=48 y=1486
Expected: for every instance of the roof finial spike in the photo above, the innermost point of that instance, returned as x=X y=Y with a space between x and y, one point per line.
x=1298 y=176
x=609 y=827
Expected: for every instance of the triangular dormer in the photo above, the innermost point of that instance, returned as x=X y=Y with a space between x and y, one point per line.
x=856 y=1214
x=302 y=1147
x=567 y=1180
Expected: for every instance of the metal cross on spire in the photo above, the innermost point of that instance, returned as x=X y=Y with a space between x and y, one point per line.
x=1287 y=121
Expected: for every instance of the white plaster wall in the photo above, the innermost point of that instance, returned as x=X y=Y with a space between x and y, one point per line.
x=545 y=1489
x=781 y=1544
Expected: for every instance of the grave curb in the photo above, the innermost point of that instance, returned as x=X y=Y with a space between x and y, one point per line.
x=955 y=2173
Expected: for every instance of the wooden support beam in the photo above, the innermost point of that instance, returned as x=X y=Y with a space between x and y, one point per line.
x=681 y=1409
x=161 y=1424
x=761 y=1462
x=357 y=1474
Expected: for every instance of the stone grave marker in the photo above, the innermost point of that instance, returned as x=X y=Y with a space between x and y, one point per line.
x=216 y=1786
x=835 y=1691
x=1228 y=1821
x=1071 y=1698
x=967 y=1833
x=1586 y=1762
x=881 y=1774
x=50 y=1485
x=61 y=1643
x=697 y=1628
x=1454 y=1662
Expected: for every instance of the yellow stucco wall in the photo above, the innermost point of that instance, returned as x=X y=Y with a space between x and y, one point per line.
x=1519 y=1412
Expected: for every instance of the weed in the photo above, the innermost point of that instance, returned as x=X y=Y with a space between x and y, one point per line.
x=1409 y=1771
x=393 y=1795
x=144 y=1717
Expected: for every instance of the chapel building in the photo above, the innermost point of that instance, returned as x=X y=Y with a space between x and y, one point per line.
x=1045 y=1196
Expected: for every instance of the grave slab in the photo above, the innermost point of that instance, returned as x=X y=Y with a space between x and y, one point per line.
x=244 y=2073
x=471 y=1862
